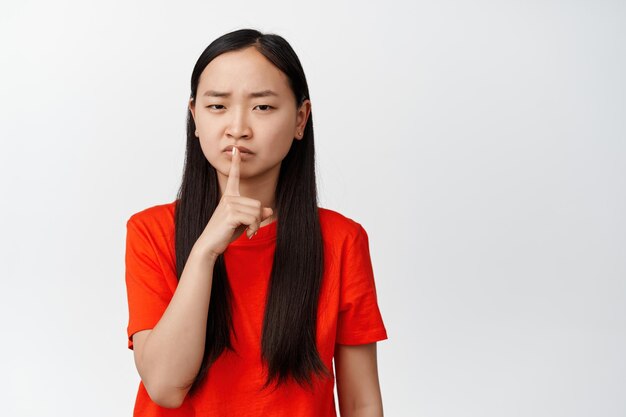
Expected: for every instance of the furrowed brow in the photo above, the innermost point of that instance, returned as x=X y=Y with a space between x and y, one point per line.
x=264 y=93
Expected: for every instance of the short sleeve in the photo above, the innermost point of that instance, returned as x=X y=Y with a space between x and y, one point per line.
x=146 y=288
x=359 y=319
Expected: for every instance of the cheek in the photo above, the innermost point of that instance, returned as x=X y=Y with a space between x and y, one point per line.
x=278 y=147
x=211 y=151
x=278 y=129
x=205 y=125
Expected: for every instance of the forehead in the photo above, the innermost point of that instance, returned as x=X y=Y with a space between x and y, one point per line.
x=242 y=72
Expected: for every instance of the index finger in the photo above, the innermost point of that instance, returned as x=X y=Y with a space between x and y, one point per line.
x=232 y=185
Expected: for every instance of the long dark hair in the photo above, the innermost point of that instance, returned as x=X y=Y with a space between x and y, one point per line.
x=288 y=345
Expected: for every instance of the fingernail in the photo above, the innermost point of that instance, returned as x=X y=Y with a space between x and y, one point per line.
x=234 y=151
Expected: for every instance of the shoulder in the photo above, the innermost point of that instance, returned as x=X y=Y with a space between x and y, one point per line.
x=156 y=219
x=152 y=213
x=339 y=228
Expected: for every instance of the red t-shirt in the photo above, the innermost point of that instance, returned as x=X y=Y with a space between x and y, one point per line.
x=348 y=313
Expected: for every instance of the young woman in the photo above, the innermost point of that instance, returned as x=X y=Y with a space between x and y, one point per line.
x=242 y=291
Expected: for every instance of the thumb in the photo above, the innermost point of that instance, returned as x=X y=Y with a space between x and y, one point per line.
x=267 y=212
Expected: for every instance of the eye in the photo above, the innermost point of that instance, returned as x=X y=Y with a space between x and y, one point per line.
x=265 y=105
x=210 y=106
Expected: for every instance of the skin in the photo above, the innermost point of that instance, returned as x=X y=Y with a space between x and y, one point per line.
x=247 y=189
x=358 y=389
x=240 y=120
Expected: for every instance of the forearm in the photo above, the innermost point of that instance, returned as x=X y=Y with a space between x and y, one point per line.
x=374 y=410
x=358 y=388
x=173 y=351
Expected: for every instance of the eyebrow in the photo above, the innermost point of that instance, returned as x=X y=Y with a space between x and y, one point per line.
x=264 y=93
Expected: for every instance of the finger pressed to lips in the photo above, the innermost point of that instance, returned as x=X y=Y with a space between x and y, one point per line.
x=243 y=155
x=232 y=184
x=232 y=188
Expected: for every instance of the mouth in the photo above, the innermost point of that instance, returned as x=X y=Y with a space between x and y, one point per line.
x=244 y=156
x=242 y=149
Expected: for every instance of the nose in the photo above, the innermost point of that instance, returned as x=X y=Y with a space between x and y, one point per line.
x=238 y=126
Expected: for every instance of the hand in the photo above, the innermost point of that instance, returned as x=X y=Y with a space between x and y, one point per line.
x=233 y=214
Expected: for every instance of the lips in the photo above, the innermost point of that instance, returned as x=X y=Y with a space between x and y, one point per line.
x=242 y=149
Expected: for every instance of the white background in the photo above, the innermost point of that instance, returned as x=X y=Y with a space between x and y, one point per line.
x=481 y=144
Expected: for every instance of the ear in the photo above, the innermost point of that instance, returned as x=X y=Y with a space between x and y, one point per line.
x=302 y=116
x=192 y=108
